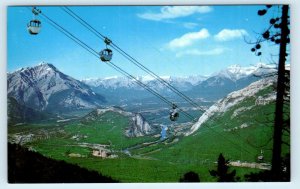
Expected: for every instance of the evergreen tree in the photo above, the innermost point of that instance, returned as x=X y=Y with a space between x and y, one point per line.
x=278 y=32
x=190 y=177
x=222 y=173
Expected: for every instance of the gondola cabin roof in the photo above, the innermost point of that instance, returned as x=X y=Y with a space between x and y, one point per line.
x=35 y=22
x=106 y=50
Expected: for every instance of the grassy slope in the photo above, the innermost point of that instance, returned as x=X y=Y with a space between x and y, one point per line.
x=167 y=162
x=197 y=153
x=204 y=146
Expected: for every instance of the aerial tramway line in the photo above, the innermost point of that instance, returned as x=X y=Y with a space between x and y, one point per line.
x=106 y=54
x=34 y=26
x=136 y=63
x=131 y=59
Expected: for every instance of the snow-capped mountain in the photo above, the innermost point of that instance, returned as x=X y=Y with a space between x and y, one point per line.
x=233 y=78
x=115 y=82
x=211 y=87
x=236 y=97
x=44 y=87
x=233 y=72
x=121 y=89
x=236 y=72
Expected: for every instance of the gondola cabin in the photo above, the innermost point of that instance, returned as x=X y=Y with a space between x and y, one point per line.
x=106 y=55
x=34 y=27
x=174 y=116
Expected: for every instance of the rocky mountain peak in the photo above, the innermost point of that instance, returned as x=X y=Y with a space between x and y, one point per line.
x=236 y=72
x=40 y=68
x=46 y=66
x=139 y=126
x=44 y=86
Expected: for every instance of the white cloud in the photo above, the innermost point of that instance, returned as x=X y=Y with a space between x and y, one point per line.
x=188 y=39
x=227 y=34
x=190 y=25
x=197 y=52
x=171 y=12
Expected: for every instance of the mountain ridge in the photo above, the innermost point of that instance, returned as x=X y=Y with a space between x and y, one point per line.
x=233 y=72
x=44 y=87
x=212 y=87
x=138 y=125
x=233 y=98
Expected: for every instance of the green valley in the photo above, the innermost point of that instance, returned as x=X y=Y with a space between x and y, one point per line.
x=99 y=143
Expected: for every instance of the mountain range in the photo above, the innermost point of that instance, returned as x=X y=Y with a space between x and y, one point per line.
x=45 y=88
x=212 y=87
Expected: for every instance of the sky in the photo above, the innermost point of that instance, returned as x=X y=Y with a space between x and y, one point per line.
x=169 y=40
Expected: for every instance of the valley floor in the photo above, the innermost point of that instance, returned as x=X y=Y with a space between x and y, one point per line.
x=143 y=159
x=242 y=133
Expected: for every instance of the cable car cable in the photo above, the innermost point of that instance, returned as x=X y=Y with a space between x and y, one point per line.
x=161 y=97
x=83 y=22
x=165 y=83
x=71 y=13
x=93 y=52
x=151 y=90
x=34 y=26
x=131 y=59
x=67 y=31
x=92 y=29
x=167 y=101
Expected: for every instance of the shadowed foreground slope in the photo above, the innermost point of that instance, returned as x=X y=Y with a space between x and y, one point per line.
x=30 y=167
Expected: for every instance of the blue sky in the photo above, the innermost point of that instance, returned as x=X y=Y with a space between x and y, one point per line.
x=176 y=41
